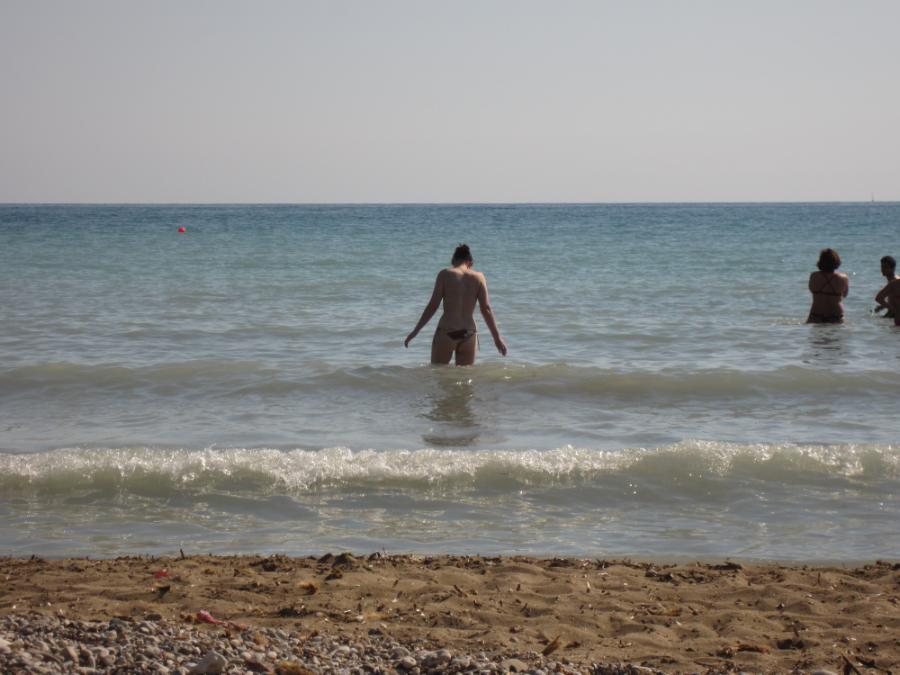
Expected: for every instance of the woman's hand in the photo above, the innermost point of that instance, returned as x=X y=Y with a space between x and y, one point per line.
x=500 y=344
x=409 y=339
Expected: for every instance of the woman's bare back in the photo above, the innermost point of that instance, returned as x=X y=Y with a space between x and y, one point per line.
x=828 y=289
x=461 y=289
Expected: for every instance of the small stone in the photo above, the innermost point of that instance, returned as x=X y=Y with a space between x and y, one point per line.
x=4 y=646
x=515 y=666
x=460 y=663
x=406 y=663
x=212 y=662
x=71 y=654
x=823 y=672
x=436 y=659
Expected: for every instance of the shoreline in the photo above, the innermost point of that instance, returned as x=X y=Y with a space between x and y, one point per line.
x=669 y=616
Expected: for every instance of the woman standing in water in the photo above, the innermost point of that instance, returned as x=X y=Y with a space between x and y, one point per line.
x=828 y=288
x=459 y=287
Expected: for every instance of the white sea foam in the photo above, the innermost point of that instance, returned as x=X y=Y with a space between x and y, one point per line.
x=690 y=499
x=268 y=471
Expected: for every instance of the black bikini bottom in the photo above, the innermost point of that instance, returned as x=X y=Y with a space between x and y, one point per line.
x=825 y=318
x=462 y=334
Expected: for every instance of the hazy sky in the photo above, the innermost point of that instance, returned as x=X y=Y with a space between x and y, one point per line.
x=419 y=101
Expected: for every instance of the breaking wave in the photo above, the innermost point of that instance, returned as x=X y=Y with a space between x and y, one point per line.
x=689 y=465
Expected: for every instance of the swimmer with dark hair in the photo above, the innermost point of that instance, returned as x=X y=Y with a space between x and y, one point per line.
x=828 y=288
x=889 y=296
x=459 y=288
x=889 y=272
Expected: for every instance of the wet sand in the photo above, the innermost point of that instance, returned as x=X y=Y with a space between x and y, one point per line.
x=693 y=617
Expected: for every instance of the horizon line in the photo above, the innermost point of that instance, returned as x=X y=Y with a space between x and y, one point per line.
x=444 y=203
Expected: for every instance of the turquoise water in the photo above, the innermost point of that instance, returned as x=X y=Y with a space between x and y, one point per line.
x=243 y=386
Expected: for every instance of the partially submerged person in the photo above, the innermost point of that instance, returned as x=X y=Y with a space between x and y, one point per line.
x=828 y=288
x=889 y=272
x=460 y=288
x=889 y=296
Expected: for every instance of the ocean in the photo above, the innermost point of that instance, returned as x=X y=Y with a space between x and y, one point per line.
x=242 y=387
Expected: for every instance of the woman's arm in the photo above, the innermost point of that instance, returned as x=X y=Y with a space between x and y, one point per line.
x=846 y=285
x=436 y=296
x=484 y=303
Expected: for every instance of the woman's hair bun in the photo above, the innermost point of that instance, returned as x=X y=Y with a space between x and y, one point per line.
x=462 y=254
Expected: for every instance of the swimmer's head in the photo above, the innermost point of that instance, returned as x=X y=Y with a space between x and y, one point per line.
x=462 y=255
x=829 y=260
x=888 y=265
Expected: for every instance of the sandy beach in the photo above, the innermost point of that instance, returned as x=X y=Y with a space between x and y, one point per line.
x=695 y=617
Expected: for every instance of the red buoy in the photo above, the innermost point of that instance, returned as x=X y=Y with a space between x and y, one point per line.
x=182 y=229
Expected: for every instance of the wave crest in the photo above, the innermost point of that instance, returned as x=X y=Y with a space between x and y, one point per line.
x=159 y=472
